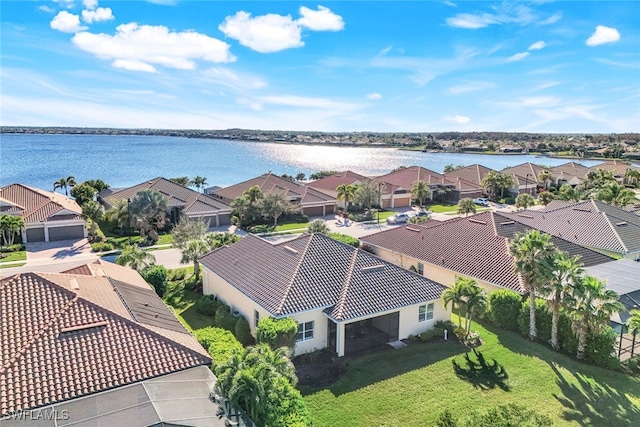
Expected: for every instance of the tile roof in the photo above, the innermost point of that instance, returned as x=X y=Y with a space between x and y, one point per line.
x=616 y=166
x=569 y=170
x=316 y=272
x=302 y=193
x=589 y=223
x=405 y=177
x=191 y=202
x=71 y=335
x=522 y=170
x=474 y=173
x=476 y=246
x=36 y=205
x=331 y=182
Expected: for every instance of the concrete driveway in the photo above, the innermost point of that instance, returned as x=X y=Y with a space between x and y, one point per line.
x=57 y=250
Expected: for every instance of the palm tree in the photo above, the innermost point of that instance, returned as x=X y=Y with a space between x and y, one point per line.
x=546 y=197
x=199 y=182
x=192 y=252
x=94 y=212
x=476 y=301
x=148 y=208
x=119 y=213
x=565 y=271
x=241 y=209
x=248 y=391
x=318 y=226
x=615 y=194
x=466 y=206
x=568 y=193
x=216 y=240
x=532 y=251
x=420 y=190
x=181 y=180
x=10 y=226
x=592 y=305
x=523 y=201
x=495 y=181
x=632 y=177
x=274 y=205
x=65 y=183
x=504 y=181
x=253 y=196
x=456 y=296
x=545 y=177
x=346 y=193
x=277 y=359
x=135 y=257
x=633 y=322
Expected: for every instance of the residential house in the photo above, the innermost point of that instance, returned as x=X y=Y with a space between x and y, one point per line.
x=181 y=201
x=571 y=173
x=525 y=177
x=476 y=246
x=312 y=201
x=343 y=298
x=96 y=346
x=590 y=223
x=618 y=168
x=328 y=184
x=473 y=174
x=48 y=216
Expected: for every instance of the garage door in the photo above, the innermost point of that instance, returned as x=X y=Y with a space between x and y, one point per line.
x=313 y=211
x=66 y=233
x=35 y=235
x=401 y=202
x=224 y=219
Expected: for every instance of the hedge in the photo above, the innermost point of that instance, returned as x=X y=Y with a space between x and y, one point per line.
x=156 y=276
x=352 y=241
x=224 y=319
x=504 y=308
x=277 y=332
x=242 y=331
x=207 y=305
x=219 y=342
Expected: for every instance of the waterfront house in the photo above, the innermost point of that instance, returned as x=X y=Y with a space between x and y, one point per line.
x=181 y=201
x=343 y=298
x=48 y=216
x=95 y=345
x=525 y=177
x=312 y=201
x=571 y=173
x=617 y=167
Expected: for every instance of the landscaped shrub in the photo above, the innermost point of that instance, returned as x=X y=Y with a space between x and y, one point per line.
x=633 y=365
x=345 y=239
x=243 y=331
x=445 y=324
x=219 y=343
x=207 y=304
x=504 y=308
x=16 y=247
x=156 y=276
x=277 y=332
x=224 y=319
x=101 y=247
x=177 y=274
x=599 y=350
x=543 y=319
x=566 y=337
x=435 y=332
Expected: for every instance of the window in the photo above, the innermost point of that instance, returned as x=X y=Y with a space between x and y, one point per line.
x=425 y=312
x=256 y=318
x=421 y=269
x=305 y=331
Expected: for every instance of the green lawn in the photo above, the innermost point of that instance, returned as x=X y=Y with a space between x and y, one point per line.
x=13 y=256
x=442 y=208
x=120 y=241
x=413 y=385
x=183 y=302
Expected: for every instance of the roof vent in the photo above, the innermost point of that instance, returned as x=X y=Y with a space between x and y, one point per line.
x=83 y=327
x=525 y=215
x=507 y=222
x=410 y=228
x=582 y=209
x=74 y=284
x=372 y=268
x=290 y=249
x=477 y=221
x=621 y=223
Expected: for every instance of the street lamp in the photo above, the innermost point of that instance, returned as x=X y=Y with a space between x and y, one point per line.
x=129 y=221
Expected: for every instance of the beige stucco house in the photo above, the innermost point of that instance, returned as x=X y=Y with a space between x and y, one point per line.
x=343 y=298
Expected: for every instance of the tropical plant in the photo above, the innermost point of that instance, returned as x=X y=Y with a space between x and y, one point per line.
x=119 y=214
x=318 y=226
x=274 y=205
x=97 y=184
x=192 y=251
x=633 y=322
x=346 y=192
x=216 y=240
x=148 y=208
x=466 y=206
x=188 y=230
x=596 y=179
x=475 y=300
x=496 y=181
x=181 y=180
x=419 y=191
x=156 y=276
x=632 y=177
x=94 y=212
x=64 y=183
x=532 y=251
x=615 y=194
x=456 y=296
x=241 y=210
x=523 y=201
x=300 y=176
x=322 y=174
x=199 y=182
x=10 y=226
x=83 y=193
x=368 y=194
x=135 y=257
x=591 y=306
x=568 y=193
x=565 y=271
x=546 y=178
x=545 y=197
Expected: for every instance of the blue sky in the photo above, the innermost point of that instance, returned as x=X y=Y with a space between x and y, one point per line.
x=542 y=66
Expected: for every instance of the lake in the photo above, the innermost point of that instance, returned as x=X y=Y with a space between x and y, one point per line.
x=40 y=160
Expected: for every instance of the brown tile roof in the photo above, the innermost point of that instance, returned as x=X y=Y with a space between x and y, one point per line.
x=569 y=170
x=522 y=170
x=333 y=181
x=316 y=272
x=192 y=203
x=300 y=193
x=36 y=205
x=616 y=166
x=474 y=173
x=476 y=246
x=590 y=223
x=70 y=335
x=405 y=177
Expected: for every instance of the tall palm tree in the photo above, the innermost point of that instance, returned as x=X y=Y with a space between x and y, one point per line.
x=192 y=252
x=10 y=226
x=65 y=183
x=524 y=200
x=420 y=190
x=199 y=182
x=248 y=391
x=466 y=206
x=346 y=193
x=456 y=296
x=565 y=271
x=505 y=181
x=495 y=181
x=181 y=180
x=633 y=322
x=253 y=196
x=148 y=208
x=475 y=301
x=119 y=213
x=135 y=257
x=545 y=177
x=241 y=209
x=532 y=251
x=632 y=177
x=94 y=212
x=615 y=194
x=592 y=305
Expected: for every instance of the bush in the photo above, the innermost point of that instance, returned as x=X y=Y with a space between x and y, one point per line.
x=504 y=308
x=207 y=305
x=156 y=276
x=461 y=333
x=543 y=319
x=224 y=319
x=177 y=274
x=17 y=247
x=445 y=324
x=352 y=241
x=599 y=350
x=242 y=331
x=277 y=333
x=101 y=247
x=633 y=365
x=509 y=201
x=219 y=343
x=435 y=332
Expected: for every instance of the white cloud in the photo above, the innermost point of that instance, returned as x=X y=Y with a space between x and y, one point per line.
x=374 y=96
x=537 y=45
x=47 y=9
x=320 y=20
x=67 y=4
x=450 y=3
x=67 y=22
x=100 y=14
x=504 y=13
x=457 y=119
x=385 y=50
x=264 y=34
x=232 y=80
x=518 y=57
x=603 y=35
x=273 y=33
x=469 y=87
x=469 y=21
x=139 y=47
x=90 y=4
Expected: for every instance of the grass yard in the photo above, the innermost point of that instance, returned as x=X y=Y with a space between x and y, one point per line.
x=13 y=256
x=442 y=208
x=413 y=385
x=182 y=301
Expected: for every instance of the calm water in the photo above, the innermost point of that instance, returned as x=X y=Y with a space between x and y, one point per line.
x=39 y=160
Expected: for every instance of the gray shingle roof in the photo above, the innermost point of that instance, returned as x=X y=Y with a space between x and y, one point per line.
x=316 y=272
